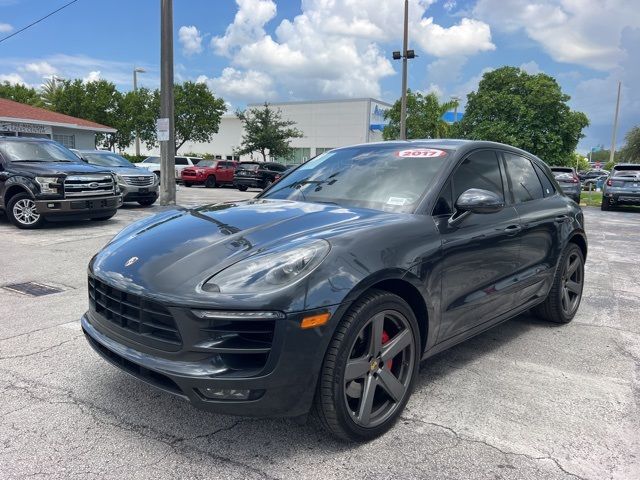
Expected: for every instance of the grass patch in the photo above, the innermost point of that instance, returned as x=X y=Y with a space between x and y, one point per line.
x=591 y=199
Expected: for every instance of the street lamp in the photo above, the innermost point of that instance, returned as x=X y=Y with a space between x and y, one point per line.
x=136 y=71
x=456 y=100
x=404 y=55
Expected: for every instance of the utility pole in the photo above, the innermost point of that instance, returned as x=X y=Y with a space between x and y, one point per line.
x=167 y=143
x=135 y=89
x=403 y=105
x=615 y=126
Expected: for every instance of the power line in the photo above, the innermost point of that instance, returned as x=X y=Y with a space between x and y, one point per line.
x=37 y=21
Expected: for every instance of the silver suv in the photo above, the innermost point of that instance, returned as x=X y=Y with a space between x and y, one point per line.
x=622 y=187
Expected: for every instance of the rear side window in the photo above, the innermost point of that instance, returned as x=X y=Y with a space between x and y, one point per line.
x=181 y=161
x=478 y=170
x=547 y=186
x=525 y=184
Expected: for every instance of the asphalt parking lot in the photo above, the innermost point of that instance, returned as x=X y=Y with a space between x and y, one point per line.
x=525 y=400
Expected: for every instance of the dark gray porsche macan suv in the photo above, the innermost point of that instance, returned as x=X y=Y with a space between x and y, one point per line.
x=326 y=291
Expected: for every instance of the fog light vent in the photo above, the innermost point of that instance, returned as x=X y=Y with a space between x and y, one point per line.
x=225 y=393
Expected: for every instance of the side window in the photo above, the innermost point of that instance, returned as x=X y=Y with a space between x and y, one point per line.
x=547 y=186
x=181 y=161
x=478 y=170
x=524 y=182
x=444 y=204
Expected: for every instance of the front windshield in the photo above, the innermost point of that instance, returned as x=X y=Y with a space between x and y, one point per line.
x=36 y=152
x=106 y=159
x=388 y=178
x=151 y=160
x=207 y=163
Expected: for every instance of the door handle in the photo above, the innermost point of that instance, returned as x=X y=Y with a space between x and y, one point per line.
x=513 y=229
x=561 y=219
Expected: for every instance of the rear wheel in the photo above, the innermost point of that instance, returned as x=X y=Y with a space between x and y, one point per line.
x=563 y=299
x=369 y=368
x=22 y=212
x=210 y=182
x=187 y=184
x=267 y=183
x=242 y=188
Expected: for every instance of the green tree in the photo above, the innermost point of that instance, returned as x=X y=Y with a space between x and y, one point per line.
x=136 y=113
x=20 y=93
x=48 y=92
x=526 y=111
x=197 y=114
x=424 y=117
x=631 y=150
x=579 y=162
x=264 y=129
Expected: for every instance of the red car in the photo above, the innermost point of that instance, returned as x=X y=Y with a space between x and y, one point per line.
x=211 y=173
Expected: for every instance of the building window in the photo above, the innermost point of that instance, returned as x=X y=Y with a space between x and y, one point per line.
x=300 y=155
x=68 y=141
x=322 y=150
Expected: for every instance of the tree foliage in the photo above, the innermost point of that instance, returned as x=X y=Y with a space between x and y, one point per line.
x=20 y=93
x=526 y=111
x=424 y=117
x=266 y=131
x=631 y=150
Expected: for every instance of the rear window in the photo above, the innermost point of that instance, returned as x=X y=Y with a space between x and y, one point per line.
x=561 y=170
x=626 y=171
x=248 y=166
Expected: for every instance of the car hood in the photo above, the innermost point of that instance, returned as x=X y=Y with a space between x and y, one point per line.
x=58 y=168
x=169 y=255
x=128 y=171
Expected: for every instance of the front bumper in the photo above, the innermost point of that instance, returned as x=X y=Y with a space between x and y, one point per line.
x=78 y=206
x=132 y=193
x=283 y=387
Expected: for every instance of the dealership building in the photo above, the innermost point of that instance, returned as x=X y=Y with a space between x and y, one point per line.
x=325 y=124
x=21 y=120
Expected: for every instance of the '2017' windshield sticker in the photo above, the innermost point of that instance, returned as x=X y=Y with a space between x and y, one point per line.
x=422 y=153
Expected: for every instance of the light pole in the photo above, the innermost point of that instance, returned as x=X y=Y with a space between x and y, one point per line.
x=615 y=126
x=404 y=55
x=136 y=71
x=167 y=143
x=456 y=100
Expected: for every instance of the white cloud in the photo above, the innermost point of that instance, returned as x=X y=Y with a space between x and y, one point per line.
x=449 y=5
x=233 y=84
x=12 y=78
x=5 y=28
x=247 y=26
x=532 y=68
x=583 y=32
x=43 y=69
x=466 y=38
x=93 y=76
x=190 y=39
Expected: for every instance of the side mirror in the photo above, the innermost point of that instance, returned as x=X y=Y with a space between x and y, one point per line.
x=475 y=200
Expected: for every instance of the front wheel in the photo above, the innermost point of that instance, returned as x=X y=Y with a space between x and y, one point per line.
x=22 y=212
x=606 y=204
x=369 y=368
x=147 y=202
x=210 y=182
x=242 y=188
x=187 y=184
x=563 y=299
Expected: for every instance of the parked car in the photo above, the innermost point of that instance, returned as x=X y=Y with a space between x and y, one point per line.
x=41 y=180
x=622 y=187
x=589 y=174
x=211 y=173
x=568 y=180
x=330 y=287
x=594 y=183
x=134 y=185
x=256 y=174
x=278 y=176
x=153 y=164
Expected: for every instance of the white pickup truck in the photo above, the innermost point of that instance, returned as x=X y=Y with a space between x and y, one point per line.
x=153 y=164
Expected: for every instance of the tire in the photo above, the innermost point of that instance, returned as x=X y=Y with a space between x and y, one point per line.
x=570 y=280
x=187 y=184
x=339 y=403
x=242 y=188
x=21 y=211
x=104 y=218
x=210 y=182
x=147 y=202
x=606 y=205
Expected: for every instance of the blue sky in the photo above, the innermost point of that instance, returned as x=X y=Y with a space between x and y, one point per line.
x=255 y=50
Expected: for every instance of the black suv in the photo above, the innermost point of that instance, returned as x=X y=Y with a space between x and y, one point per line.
x=42 y=180
x=256 y=174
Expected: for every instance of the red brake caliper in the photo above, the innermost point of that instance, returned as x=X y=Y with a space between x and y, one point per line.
x=385 y=339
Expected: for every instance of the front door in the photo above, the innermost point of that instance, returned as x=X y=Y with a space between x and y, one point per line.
x=480 y=255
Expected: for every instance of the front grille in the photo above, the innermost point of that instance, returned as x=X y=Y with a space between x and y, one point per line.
x=139 y=180
x=94 y=204
x=241 y=344
x=88 y=185
x=143 y=320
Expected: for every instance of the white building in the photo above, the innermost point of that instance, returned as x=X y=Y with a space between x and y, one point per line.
x=20 y=120
x=326 y=124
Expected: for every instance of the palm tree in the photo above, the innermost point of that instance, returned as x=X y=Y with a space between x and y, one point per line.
x=49 y=90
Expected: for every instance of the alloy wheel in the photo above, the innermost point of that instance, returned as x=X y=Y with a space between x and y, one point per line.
x=378 y=372
x=572 y=279
x=25 y=212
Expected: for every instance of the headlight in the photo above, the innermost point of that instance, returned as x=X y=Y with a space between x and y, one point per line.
x=269 y=271
x=45 y=184
x=117 y=180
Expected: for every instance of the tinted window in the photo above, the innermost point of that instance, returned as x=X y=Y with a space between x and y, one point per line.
x=36 y=152
x=444 y=204
x=547 y=186
x=524 y=181
x=181 y=161
x=106 y=159
x=151 y=160
x=248 y=166
x=478 y=170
